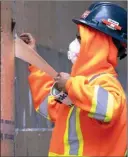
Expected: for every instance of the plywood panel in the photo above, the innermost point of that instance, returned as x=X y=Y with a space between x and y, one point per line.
x=7 y=82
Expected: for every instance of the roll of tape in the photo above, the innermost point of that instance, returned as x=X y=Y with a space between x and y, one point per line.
x=61 y=96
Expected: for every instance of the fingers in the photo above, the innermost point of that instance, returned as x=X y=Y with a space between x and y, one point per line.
x=26 y=35
x=27 y=38
x=57 y=78
x=61 y=75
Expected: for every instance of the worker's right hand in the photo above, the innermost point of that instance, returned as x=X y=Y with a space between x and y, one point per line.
x=28 y=39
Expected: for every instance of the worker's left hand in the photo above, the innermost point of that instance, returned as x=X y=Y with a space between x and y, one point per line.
x=28 y=39
x=61 y=80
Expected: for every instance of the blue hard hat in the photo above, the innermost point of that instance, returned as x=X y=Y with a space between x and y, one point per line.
x=108 y=18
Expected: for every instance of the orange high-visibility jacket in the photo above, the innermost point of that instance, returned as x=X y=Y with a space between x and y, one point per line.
x=96 y=124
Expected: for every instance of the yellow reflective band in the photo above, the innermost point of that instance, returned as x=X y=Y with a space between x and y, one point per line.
x=58 y=155
x=79 y=133
x=94 y=103
x=110 y=107
x=66 y=143
x=37 y=109
x=126 y=153
x=48 y=117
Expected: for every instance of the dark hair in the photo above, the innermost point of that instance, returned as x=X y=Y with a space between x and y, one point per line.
x=121 y=49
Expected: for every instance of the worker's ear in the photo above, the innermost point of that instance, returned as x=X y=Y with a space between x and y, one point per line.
x=13 y=23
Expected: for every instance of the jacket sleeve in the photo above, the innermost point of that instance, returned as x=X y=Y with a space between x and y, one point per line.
x=103 y=98
x=40 y=84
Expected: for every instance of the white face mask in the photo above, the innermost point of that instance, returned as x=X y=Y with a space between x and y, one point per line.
x=74 y=49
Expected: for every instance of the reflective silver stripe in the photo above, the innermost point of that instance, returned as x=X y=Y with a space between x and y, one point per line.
x=43 y=108
x=98 y=75
x=102 y=102
x=72 y=136
x=95 y=76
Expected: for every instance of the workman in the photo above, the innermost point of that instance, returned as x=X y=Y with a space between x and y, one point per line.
x=94 y=122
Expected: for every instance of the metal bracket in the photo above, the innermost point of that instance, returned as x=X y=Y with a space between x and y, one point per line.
x=13 y=23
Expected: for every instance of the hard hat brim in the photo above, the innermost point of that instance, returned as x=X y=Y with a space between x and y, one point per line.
x=103 y=30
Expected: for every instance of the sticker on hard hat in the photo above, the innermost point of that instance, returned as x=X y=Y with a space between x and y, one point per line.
x=85 y=14
x=112 y=24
